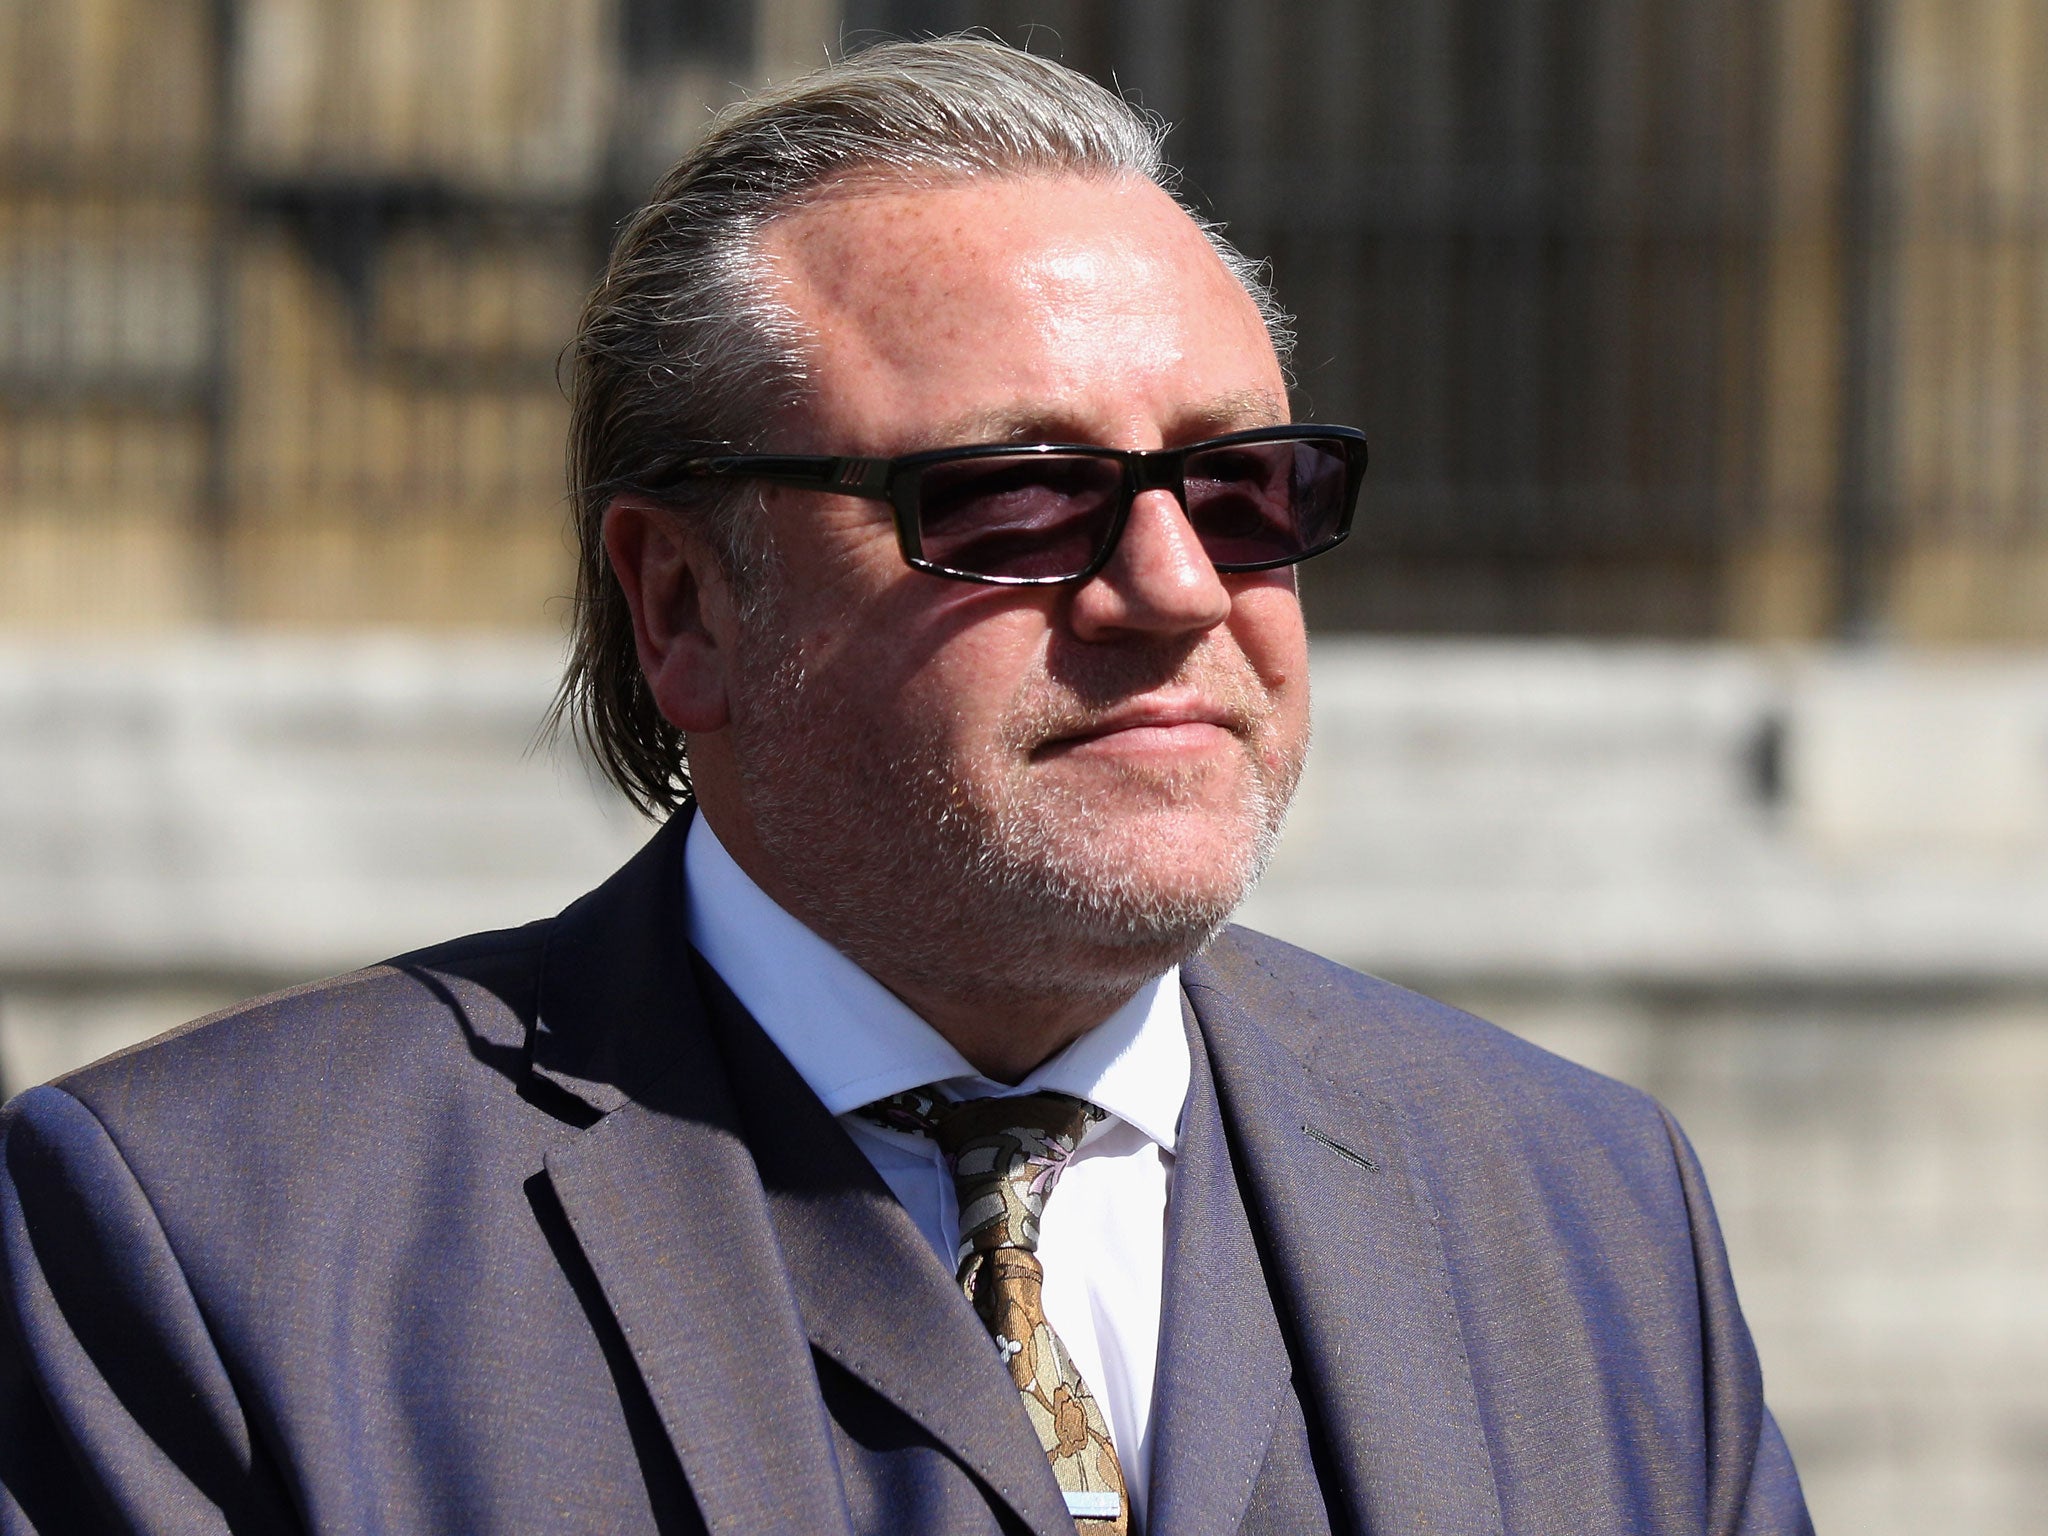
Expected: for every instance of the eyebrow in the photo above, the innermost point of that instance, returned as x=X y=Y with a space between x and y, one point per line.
x=1032 y=424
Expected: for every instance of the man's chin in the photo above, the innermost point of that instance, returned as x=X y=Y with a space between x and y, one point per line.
x=1110 y=947
x=1143 y=945
x=1158 y=879
x=1126 y=900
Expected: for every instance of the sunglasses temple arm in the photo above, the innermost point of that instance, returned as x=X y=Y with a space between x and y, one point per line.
x=848 y=477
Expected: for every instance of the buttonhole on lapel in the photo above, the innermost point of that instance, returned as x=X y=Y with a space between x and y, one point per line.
x=1340 y=1149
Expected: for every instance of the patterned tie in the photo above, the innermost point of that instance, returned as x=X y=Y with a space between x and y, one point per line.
x=1007 y=1154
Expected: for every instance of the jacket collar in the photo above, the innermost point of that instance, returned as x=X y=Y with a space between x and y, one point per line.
x=1356 y=1266
x=715 y=1198
x=902 y=1326
x=1223 y=1368
x=614 y=982
x=666 y=1205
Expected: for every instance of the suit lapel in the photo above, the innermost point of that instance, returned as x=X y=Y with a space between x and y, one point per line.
x=720 y=1251
x=662 y=1207
x=1223 y=1369
x=894 y=1320
x=668 y=1210
x=1358 y=1270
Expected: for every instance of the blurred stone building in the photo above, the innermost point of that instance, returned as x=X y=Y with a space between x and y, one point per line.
x=1681 y=700
x=1668 y=317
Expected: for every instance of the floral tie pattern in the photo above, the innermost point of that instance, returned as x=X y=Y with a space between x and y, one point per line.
x=1006 y=1156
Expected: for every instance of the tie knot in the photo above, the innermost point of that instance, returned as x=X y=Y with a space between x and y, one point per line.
x=1006 y=1155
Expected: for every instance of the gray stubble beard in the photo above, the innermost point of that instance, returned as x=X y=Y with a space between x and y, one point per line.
x=931 y=879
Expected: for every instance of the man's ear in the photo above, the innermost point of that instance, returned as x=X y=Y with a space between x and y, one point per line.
x=682 y=610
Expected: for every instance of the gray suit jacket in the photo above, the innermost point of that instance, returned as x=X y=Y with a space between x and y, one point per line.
x=538 y=1231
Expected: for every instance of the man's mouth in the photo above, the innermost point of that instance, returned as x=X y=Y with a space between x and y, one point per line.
x=1146 y=728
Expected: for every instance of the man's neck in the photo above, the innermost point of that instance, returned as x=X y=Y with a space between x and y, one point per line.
x=1006 y=1035
x=1005 y=1024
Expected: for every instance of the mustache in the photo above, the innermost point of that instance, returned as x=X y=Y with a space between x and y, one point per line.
x=1080 y=693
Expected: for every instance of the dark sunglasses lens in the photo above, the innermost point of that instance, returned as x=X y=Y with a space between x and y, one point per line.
x=1257 y=504
x=1035 y=517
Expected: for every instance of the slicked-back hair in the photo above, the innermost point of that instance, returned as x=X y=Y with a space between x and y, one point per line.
x=683 y=344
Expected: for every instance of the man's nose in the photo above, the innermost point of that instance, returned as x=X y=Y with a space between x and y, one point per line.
x=1159 y=580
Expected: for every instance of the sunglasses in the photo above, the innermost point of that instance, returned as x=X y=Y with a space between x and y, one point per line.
x=1042 y=513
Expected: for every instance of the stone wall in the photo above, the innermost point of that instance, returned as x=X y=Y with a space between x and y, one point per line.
x=1801 y=897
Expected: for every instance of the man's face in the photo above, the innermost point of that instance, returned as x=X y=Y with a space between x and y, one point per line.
x=1004 y=785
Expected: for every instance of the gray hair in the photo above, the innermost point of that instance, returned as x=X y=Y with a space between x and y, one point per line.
x=683 y=344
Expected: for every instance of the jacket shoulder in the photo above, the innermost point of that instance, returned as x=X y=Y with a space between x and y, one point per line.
x=1385 y=1041
x=345 y=1029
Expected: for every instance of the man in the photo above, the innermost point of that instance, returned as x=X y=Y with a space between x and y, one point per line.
x=895 y=1144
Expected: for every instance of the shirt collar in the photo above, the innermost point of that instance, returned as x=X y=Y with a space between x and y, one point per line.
x=853 y=1041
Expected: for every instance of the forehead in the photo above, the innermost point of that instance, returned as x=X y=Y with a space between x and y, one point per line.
x=1035 y=306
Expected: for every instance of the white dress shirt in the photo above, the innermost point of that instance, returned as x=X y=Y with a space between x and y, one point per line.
x=1103 y=1237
